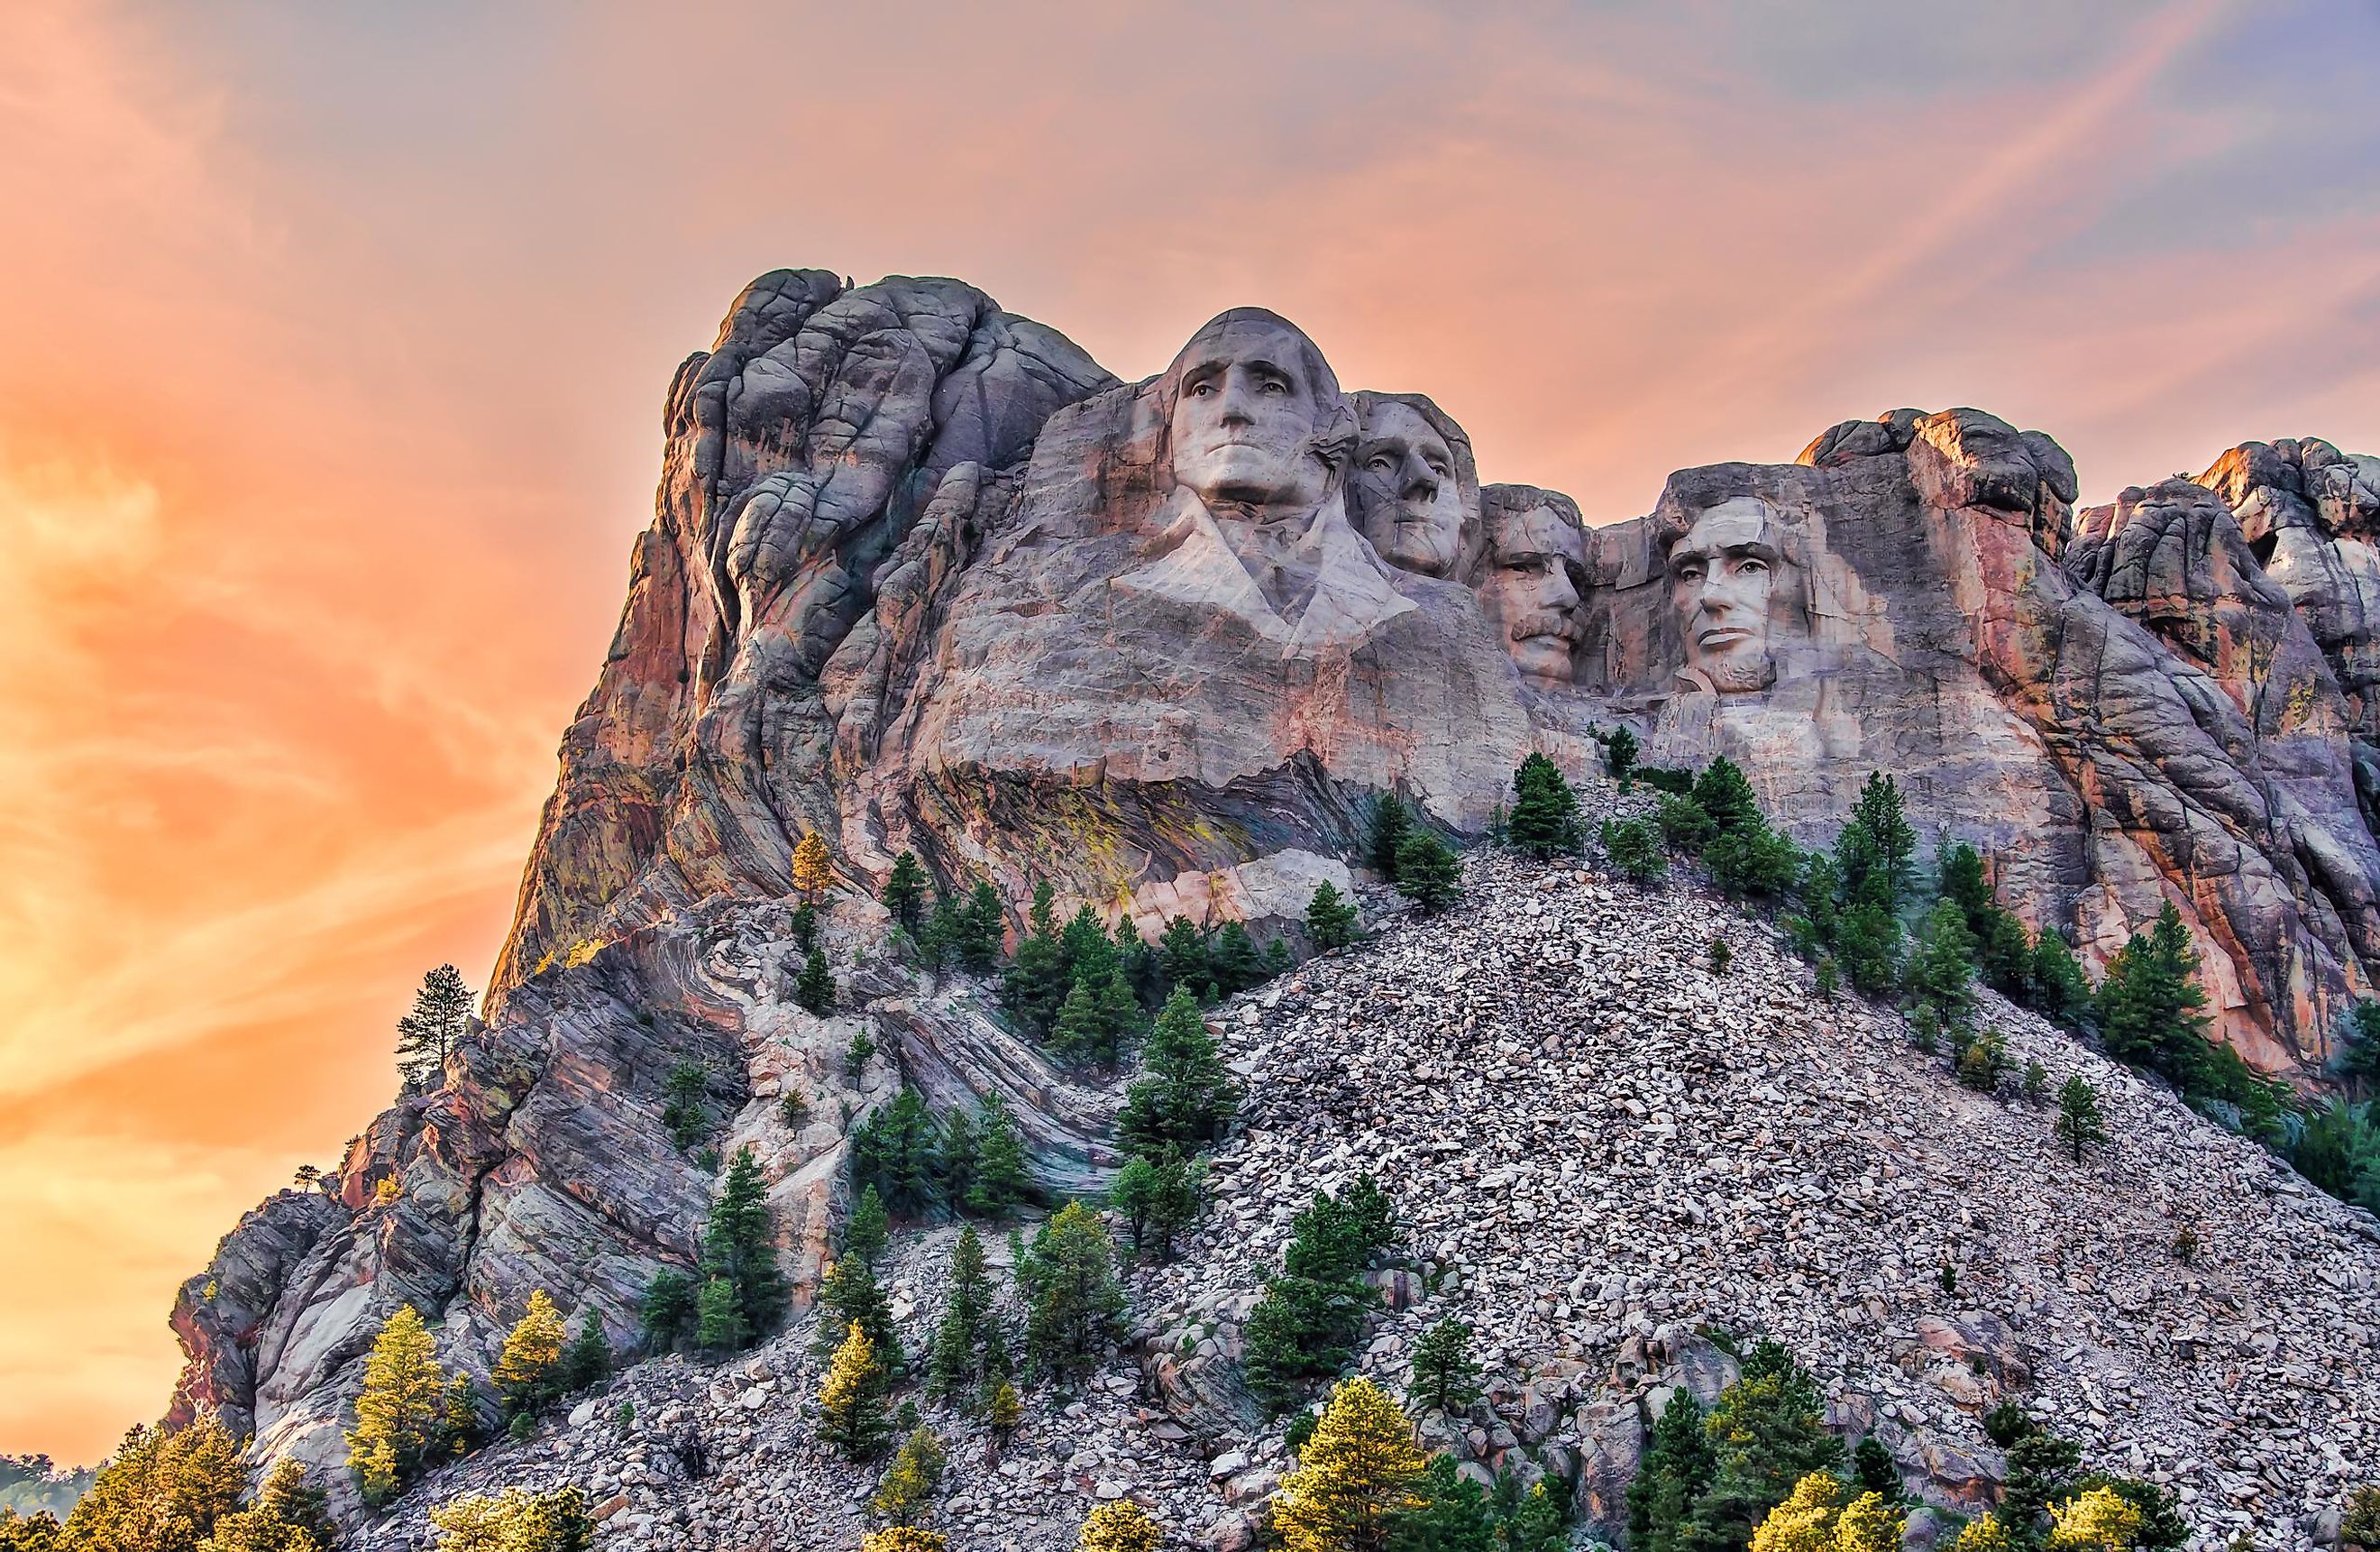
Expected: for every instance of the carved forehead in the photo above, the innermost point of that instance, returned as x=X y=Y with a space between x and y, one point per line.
x=1742 y=522
x=1536 y=531
x=1253 y=334
x=1392 y=422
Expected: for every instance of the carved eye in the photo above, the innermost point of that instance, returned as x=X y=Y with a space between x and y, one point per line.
x=1380 y=463
x=1751 y=565
x=1205 y=388
x=1437 y=467
x=1275 y=386
x=1690 y=573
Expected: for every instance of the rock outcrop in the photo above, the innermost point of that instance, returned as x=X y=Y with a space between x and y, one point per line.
x=923 y=576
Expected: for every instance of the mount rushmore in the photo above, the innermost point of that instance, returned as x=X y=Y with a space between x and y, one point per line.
x=923 y=577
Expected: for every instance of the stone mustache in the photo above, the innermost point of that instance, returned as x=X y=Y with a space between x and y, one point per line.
x=925 y=578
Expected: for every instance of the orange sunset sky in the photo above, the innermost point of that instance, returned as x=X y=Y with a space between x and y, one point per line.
x=333 y=341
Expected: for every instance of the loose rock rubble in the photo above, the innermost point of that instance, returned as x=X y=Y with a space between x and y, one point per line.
x=1612 y=1163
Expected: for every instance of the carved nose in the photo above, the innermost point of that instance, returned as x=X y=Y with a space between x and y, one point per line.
x=1236 y=409
x=1421 y=480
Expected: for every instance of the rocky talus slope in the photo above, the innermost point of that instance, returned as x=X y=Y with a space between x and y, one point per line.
x=1603 y=1154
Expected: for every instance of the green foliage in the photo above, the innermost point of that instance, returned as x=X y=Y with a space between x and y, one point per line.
x=1445 y=1376
x=1427 y=873
x=160 y=1491
x=1867 y=944
x=2079 y=1124
x=1755 y=861
x=1186 y=1095
x=1333 y=920
x=850 y=1295
x=738 y=1248
x=1877 y=851
x=1677 y=1470
x=684 y=1108
x=905 y=893
x=428 y=1034
x=1767 y=1432
x=1980 y=1059
x=1451 y=1513
x=1630 y=844
x=1234 y=961
x=288 y=1514
x=1307 y=1321
x=2060 y=989
x=916 y=1472
x=1159 y=1196
x=980 y=929
x=529 y=1370
x=1034 y=987
x=719 y=1324
x=1620 y=753
x=1940 y=970
x=1722 y=956
x=1000 y=1179
x=1543 y=821
x=1686 y=825
x=2360 y=1521
x=554 y=1520
x=31 y=1484
x=2339 y=1150
x=897 y=1150
x=1873 y=1471
x=851 y=1397
x=2357 y=1055
x=858 y=1054
x=970 y=1348
x=2148 y=1007
x=587 y=1362
x=1391 y=826
x=803 y=927
x=814 y=988
x=1679 y=784
x=869 y=1228
x=403 y=1419
x=959 y=1154
x=1724 y=793
x=1073 y=1308
x=667 y=1310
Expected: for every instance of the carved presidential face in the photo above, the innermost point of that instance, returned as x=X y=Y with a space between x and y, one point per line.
x=1530 y=589
x=1723 y=577
x=1248 y=401
x=1406 y=490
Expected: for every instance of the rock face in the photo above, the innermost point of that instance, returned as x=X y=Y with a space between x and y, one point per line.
x=923 y=576
x=1600 y=1153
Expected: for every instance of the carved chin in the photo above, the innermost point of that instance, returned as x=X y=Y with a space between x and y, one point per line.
x=1738 y=673
x=1544 y=657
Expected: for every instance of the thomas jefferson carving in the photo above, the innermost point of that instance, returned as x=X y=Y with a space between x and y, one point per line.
x=1414 y=492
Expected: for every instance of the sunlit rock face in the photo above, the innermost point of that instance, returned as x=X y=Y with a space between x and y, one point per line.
x=923 y=577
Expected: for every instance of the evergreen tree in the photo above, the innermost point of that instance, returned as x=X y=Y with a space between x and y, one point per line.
x=587 y=1362
x=1544 y=821
x=1873 y=1471
x=945 y=936
x=428 y=1035
x=961 y=1154
x=1940 y=971
x=1390 y=824
x=895 y=1150
x=719 y=1323
x=667 y=1310
x=160 y=1491
x=684 y=1109
x=1080 y=1034
x=1619 y=756
x=1755 y=861
x=1767 y=1432
x=1676 y=1471
x=1877 y=851
x=289 y=1514
x=814 y=989
x=1035 y=984
x=1001 y=1178
x=1187 y=1096
x=1354 y=1478
x=1233 y=963
x=1427 y=873
x=1725 y=793
x=739 y=1247
x=1868 y=946
x=1075 y=1308
x=1307 y=1322
x=1002 y=1410
x=2148 y=1005
x=1134 y=1198
x=1332 y=919
x=461 y=1429
x=1119 y=1015
x=1686 y=825
x=398 y=1416
x=851 y=1398
x=1158 y=1196
x=1445 y=1377
x=985 y=931
x=1633 y=850
x=1181 y=951
x=849 y=1291
x=2041 y=1468
x=916 y=1472
x=1722 y=956
x=905 y=893
x=813 y=868
x=2078 y=1123
x=1144 y=969
x=961 y=1359
x=803 y=928
x=529 y=1370
x=2357 y=1058
x=1450 y=1516
x=1120 y=1526
x=1962 y=881
x=868 y=1228
x=1086 y=949
x=554 y=1520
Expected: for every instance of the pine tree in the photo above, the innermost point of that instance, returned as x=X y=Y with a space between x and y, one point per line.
x=814 y=989
x=1390 y=823
x=803 y=927
x=684 y=1109
x=984 y=930
x=587 y=1362
x=1873 y=1470
x=1181 y=952
x=1085 y=948
x=1630 y=845
x=428 y=1035
x=1002 y=1179
x=2357 y=1058
x=739 y=1246
x=1120 y=1526
x=2078 y=1123
x=2148 y=1005
x=529 y=1370
x=399 y=1414
x=961 y=1358
x=1445 y=1378
x=554 y=1520
x=1134 y=1198
x=666 y=1312
x=1427 y=873
x=896 y=1150
x=1235 y=963
x=1451 y=1516
x=1080 y=1034
x=1767 y=1432
x=1677 y=1470
x=1119 y=1015
x=1075 y=1307
x=719 y=1324
x=1619 y=756
x=960 y=1152
x=813 y=869
x=905 y=893
x=1332 y=919
x=290 y=1514
x=1354 y=1477
x=866 y=1232
x=916 y=1471
x=849 y=1291
x=1940 y=971
x=1002 y=1410
x=160 y=1491
x=1878 y=850
x=1187 y=1096
x=851 y=1398
x=1543 y=821
x=1726 y=795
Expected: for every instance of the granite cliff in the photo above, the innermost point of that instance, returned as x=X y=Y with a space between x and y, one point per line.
x=923 y=576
